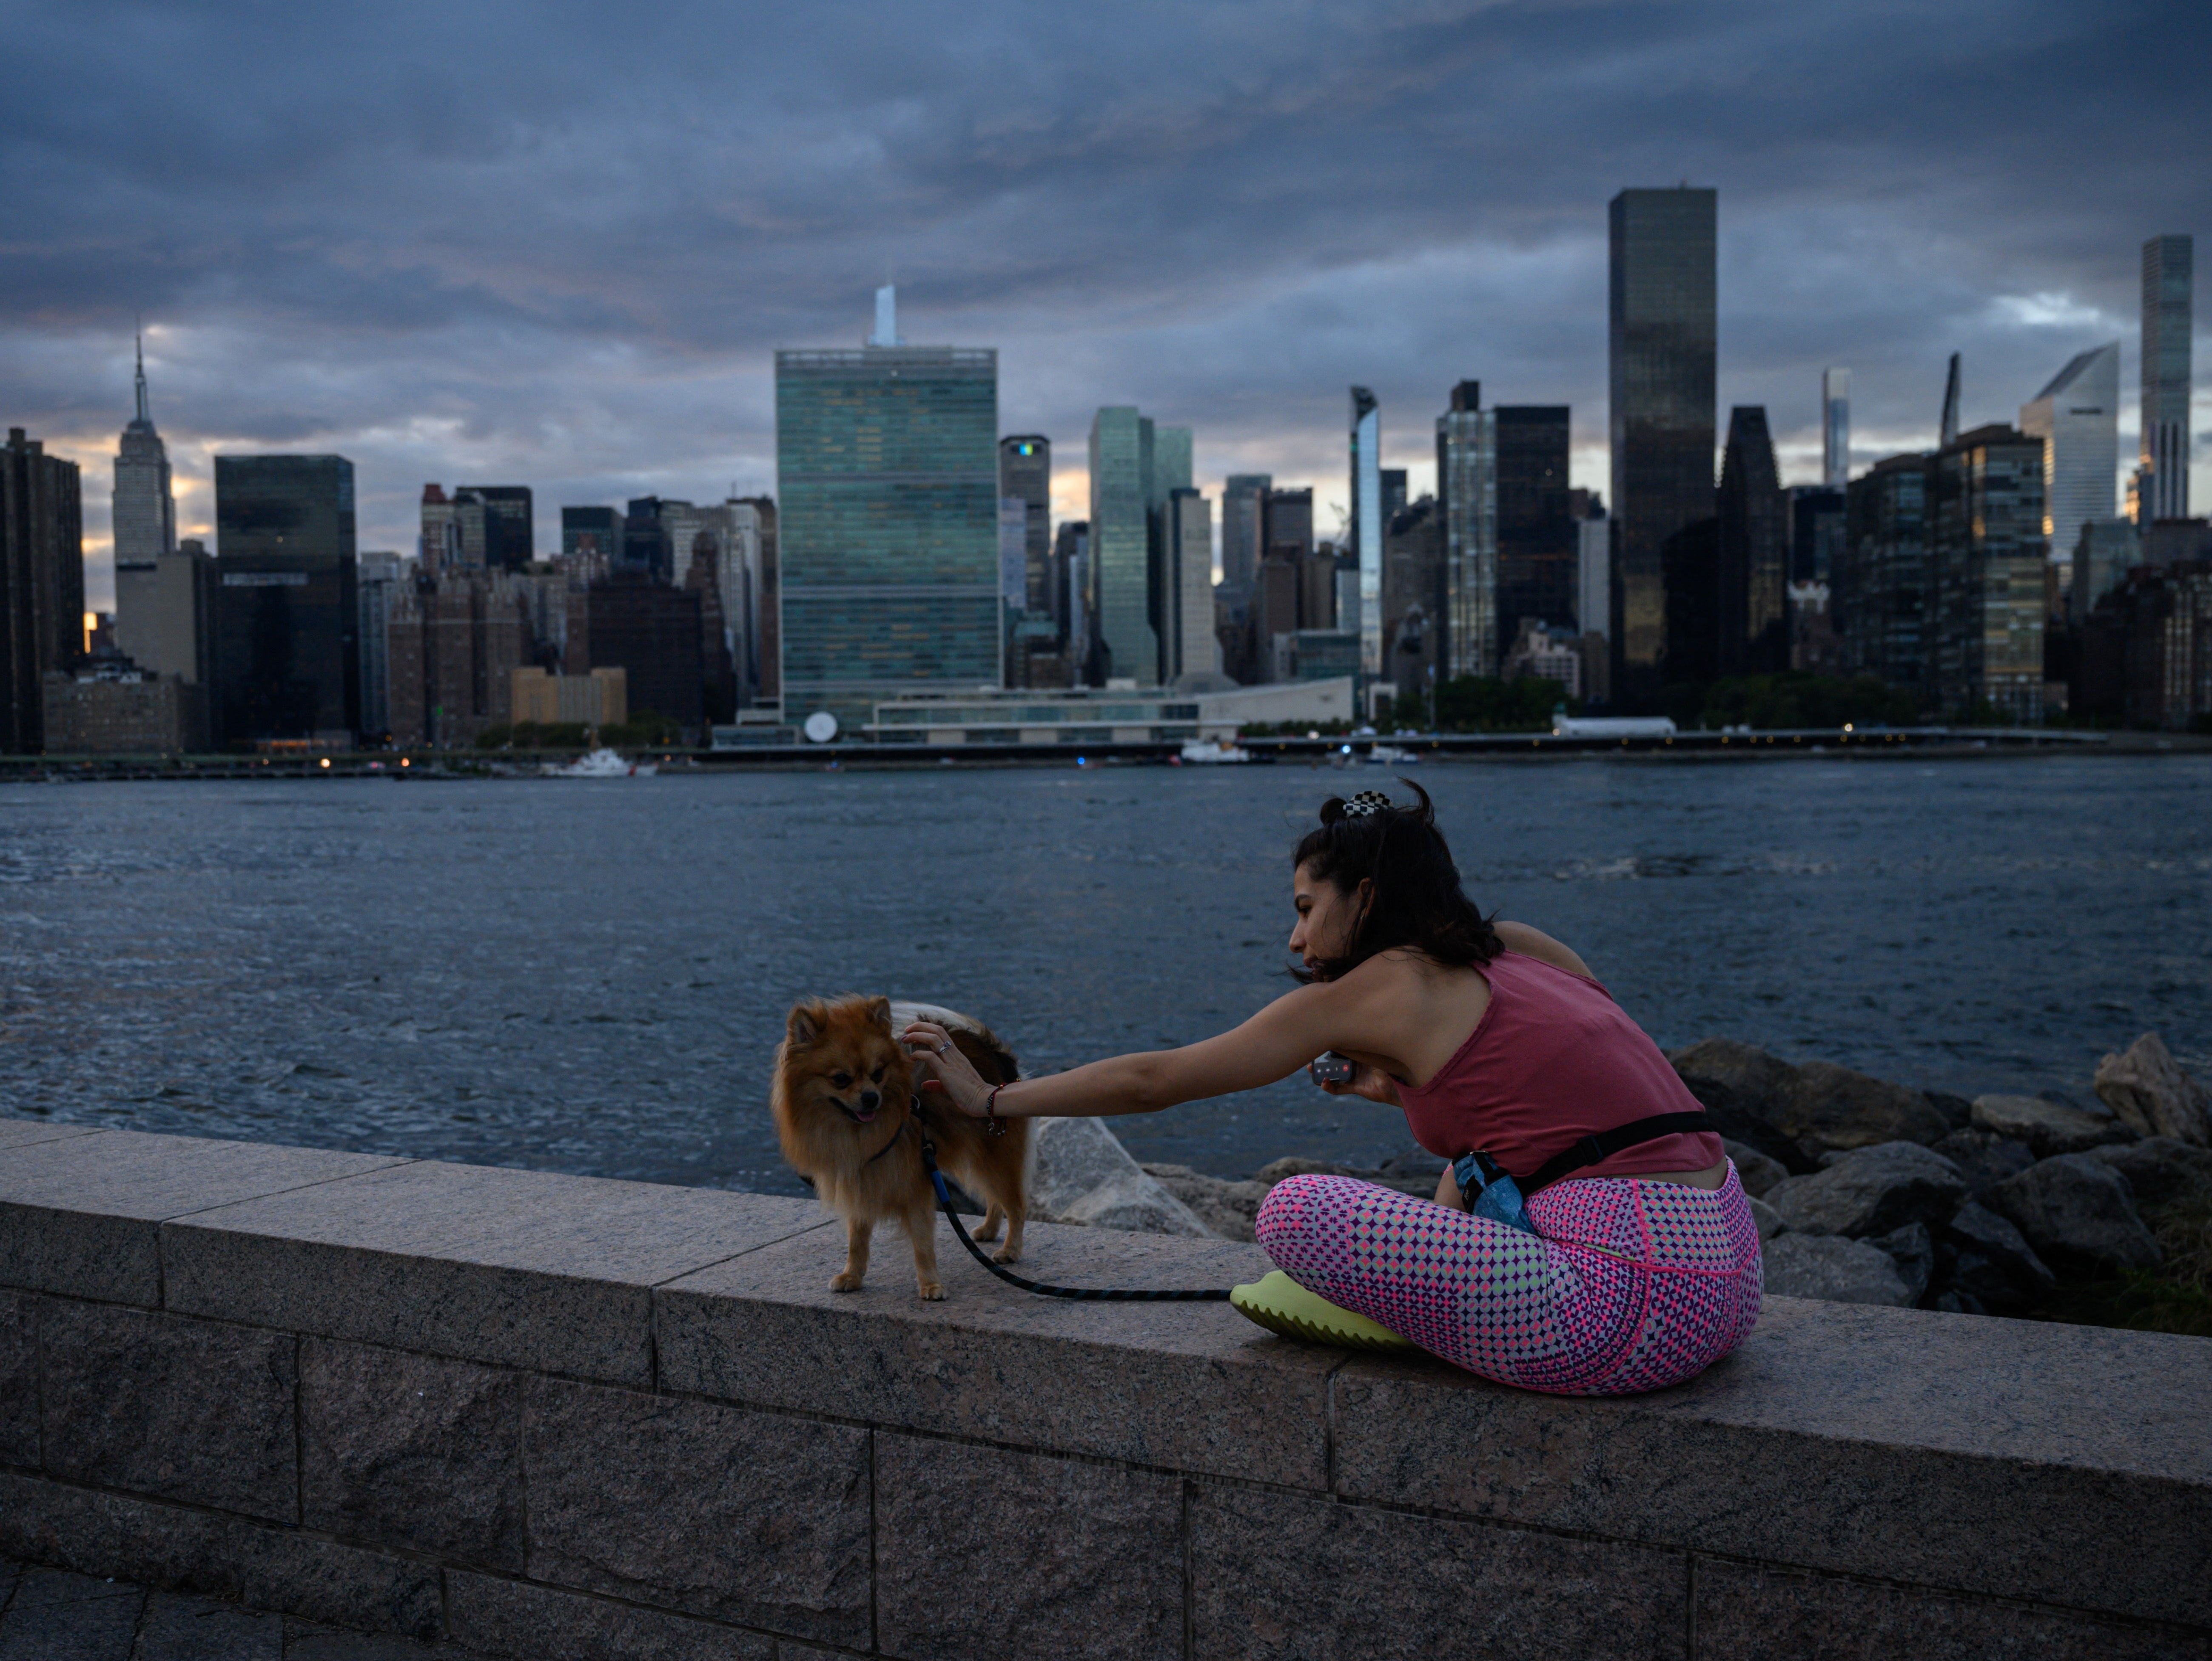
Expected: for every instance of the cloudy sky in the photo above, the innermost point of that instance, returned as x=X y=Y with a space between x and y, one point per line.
x=556 y=244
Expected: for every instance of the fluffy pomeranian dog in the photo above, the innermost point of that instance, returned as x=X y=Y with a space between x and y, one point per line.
x=849 y=1118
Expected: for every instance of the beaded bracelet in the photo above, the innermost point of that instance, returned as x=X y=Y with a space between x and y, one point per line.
x=993 y=1125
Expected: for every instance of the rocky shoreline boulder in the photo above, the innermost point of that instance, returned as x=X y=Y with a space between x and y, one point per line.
x=2049 y=1128
x=1084 y=1175
x=1794 y=1114
x=1835 y=1270
x=1986 y=1267
x=2148 y=1089
x=1871 y=1190
x=2079 y=1214
x=2160 y=1171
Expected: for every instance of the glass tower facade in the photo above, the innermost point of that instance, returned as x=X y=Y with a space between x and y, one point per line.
x=1753 y=638
x=1884 y=586
x=1835 y=428
x=1661 y=315
x=1536 y=542
x=1466 y=485
x=1025 y=473
x=1243 y=528
x=1367 y=528
x=287 y=615
x=887 y=471
x=1986 y=521
x=2077 y=416
x=1120 y=567
x=2168 y=264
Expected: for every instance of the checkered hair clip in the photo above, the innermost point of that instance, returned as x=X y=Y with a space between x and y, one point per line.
x=1365 y=802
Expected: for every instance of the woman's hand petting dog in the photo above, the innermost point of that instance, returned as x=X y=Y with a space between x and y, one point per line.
x=946 y=1074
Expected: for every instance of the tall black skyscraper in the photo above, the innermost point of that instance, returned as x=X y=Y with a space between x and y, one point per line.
x=1663 y=409
x=1026 y=474
x=287 y=614
x=1537 y=541
x=1754 y=636
x=41 y=583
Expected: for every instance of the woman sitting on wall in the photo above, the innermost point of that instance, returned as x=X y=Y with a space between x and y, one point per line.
x=1590 y=1237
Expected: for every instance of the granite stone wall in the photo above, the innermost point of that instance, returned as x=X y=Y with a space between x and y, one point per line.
x=537 y=1417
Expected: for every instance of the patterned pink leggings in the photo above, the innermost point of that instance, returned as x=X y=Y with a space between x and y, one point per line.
x=1627 y=1286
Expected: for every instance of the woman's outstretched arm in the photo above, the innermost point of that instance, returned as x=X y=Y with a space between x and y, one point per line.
x=1272 y=1045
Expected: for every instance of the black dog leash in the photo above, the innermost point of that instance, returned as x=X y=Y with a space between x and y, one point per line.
x=1098 y=1293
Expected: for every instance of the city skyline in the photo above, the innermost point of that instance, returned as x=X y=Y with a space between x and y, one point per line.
x=462 y=288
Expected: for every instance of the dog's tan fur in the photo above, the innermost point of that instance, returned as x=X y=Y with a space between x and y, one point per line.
x=868 y=1169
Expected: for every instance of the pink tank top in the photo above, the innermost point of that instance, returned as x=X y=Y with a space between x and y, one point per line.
x=1552 y=1059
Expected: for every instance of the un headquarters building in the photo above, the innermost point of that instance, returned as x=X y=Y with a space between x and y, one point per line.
x=887 y=474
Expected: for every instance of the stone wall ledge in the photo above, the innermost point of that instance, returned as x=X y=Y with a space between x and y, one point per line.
x=541 y=1415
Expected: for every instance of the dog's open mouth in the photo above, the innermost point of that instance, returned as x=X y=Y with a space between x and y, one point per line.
x=859 y=1115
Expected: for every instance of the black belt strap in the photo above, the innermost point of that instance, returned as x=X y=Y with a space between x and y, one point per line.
x=1606 y=1143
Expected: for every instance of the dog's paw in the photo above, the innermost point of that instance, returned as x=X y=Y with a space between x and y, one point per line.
x=1008 y=1253
x=933 y=1292
x=988 y=1234
x=845 y=1281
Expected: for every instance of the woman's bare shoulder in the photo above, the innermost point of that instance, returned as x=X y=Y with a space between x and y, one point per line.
x=1535 y=943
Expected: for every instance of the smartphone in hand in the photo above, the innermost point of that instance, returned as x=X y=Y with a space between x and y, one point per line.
x=1329 y=1067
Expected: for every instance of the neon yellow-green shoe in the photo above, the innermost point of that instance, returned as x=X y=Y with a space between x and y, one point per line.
x=1281 y=1305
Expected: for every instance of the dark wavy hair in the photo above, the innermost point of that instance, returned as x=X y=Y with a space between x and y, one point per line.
x=1417 y=900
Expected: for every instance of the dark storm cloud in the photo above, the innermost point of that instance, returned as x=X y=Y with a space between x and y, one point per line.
x=556 y=244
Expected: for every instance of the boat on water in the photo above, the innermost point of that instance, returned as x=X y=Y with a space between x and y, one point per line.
x=1204 y=752
x=1390 y=755
x=602 y=763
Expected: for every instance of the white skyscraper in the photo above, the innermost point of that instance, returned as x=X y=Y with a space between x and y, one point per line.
x=162 y=601
x=145 y=506
x=2077 y=416
x=1367 y=526
x=2162 y=482
x=1835 y=428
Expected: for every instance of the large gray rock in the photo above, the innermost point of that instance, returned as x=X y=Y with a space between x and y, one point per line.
x=1985 y=1260
x=1871 y=1191
x=1743 y=1090
x=1768 y=1219
x=1754 y=1170
x=1912 y=1248
x=2146 y=1087
x=1834 y=1107
x=2048 y=1127
x=1984 y=1158
x=1084 y=1175
x=2159 y=1170
x=2079 y=1214
x=1761 y=1082
x=1227 y=1208
x=1829 y=1267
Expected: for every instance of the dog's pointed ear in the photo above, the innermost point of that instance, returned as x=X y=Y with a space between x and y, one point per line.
x=879 y=1011
x=806 y=1024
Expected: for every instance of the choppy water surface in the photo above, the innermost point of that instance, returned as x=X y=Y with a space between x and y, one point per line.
x=591 y=977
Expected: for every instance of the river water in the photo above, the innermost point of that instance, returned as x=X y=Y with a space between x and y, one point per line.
x=591 y=976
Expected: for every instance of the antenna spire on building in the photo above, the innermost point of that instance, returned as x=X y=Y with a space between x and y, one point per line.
x=143 y=414
x=1950 y=428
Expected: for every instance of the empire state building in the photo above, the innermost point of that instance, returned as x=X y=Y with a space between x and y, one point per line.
x=145 y=506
